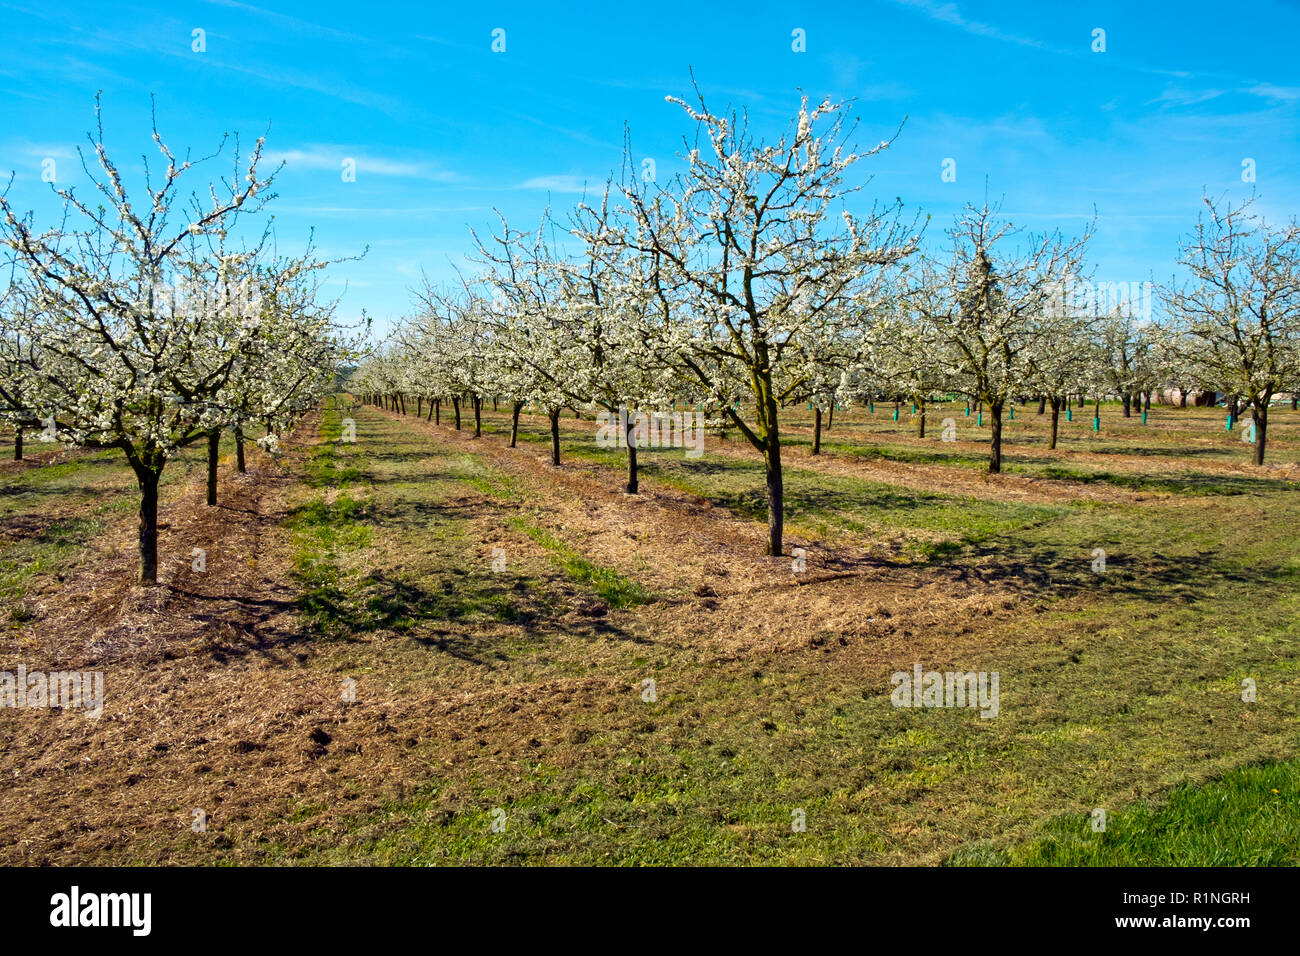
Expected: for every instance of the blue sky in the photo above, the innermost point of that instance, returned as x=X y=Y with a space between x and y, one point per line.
x=443 y=129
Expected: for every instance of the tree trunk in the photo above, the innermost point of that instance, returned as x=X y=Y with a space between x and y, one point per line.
x=437 y=412
x=148 y=481
x=995 y=444
x=830 y=417
x=239 y=450
x=494 y=404
x=1260 y=415
x=1128 y=405
x=775 y=493
x=429 y=417
x=214 y=446
x=555 y=437
x=920 y=419
x=419 y=406
x=632 y=483
x=18 y=443
x=455 y=403
x=1146 y=402
x=514 y=423
x=478 y=423
x=817 y=430
x=1042 y=404
x=1182 y=399
x=403 y=400
x=1056 y=417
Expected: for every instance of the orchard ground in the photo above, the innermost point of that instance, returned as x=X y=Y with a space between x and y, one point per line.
x=504 y=716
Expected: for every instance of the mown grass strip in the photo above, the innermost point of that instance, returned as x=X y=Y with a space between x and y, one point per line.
x=616 y=590
x=56 y=547
x=1245 y=818
x=322 y=529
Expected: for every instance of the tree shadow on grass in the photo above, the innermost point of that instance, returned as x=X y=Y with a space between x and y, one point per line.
x=1184 y=483
x=1035 y=571
x=427 y=613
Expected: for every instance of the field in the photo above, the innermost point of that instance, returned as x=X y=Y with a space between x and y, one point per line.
x=499 y=623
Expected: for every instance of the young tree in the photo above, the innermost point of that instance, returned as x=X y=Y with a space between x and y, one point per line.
x=534 y=354
x=1063 y=363
x=988 y=306
x=610 y=319
x=1128 y=356
x=20 y=388
x=1241 y=307
x=908 y=353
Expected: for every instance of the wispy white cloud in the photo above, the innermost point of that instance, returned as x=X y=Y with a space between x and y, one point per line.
x=43 y=150
x=576 y=135
x=1271 y=92
x=378 y=210
x=950 y=14
x=1178 y=96
x=332 y=157
x=563 y=184
x=113 y=38
x=332 y=87
x=285 y=20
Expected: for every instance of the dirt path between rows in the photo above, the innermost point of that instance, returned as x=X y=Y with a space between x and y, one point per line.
x=709 y=564
x=181 y=665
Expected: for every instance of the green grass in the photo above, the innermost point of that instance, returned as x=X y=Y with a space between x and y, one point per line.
x=324 y=528
x=617 y=591
x=1185 y=483
x=1119 y=690
x=398 y=497
x=924 y=525
x=1247 y=817
x=55 y=548
x=1113 y=684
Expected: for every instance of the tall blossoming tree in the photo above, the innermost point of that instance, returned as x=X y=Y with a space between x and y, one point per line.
x=125 y=337
x=750 y=248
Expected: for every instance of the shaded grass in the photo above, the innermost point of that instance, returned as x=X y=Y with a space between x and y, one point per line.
x=323 y=529
x=405 y=503
x=1186 y=483
x=97 y=484
x=929 y=524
